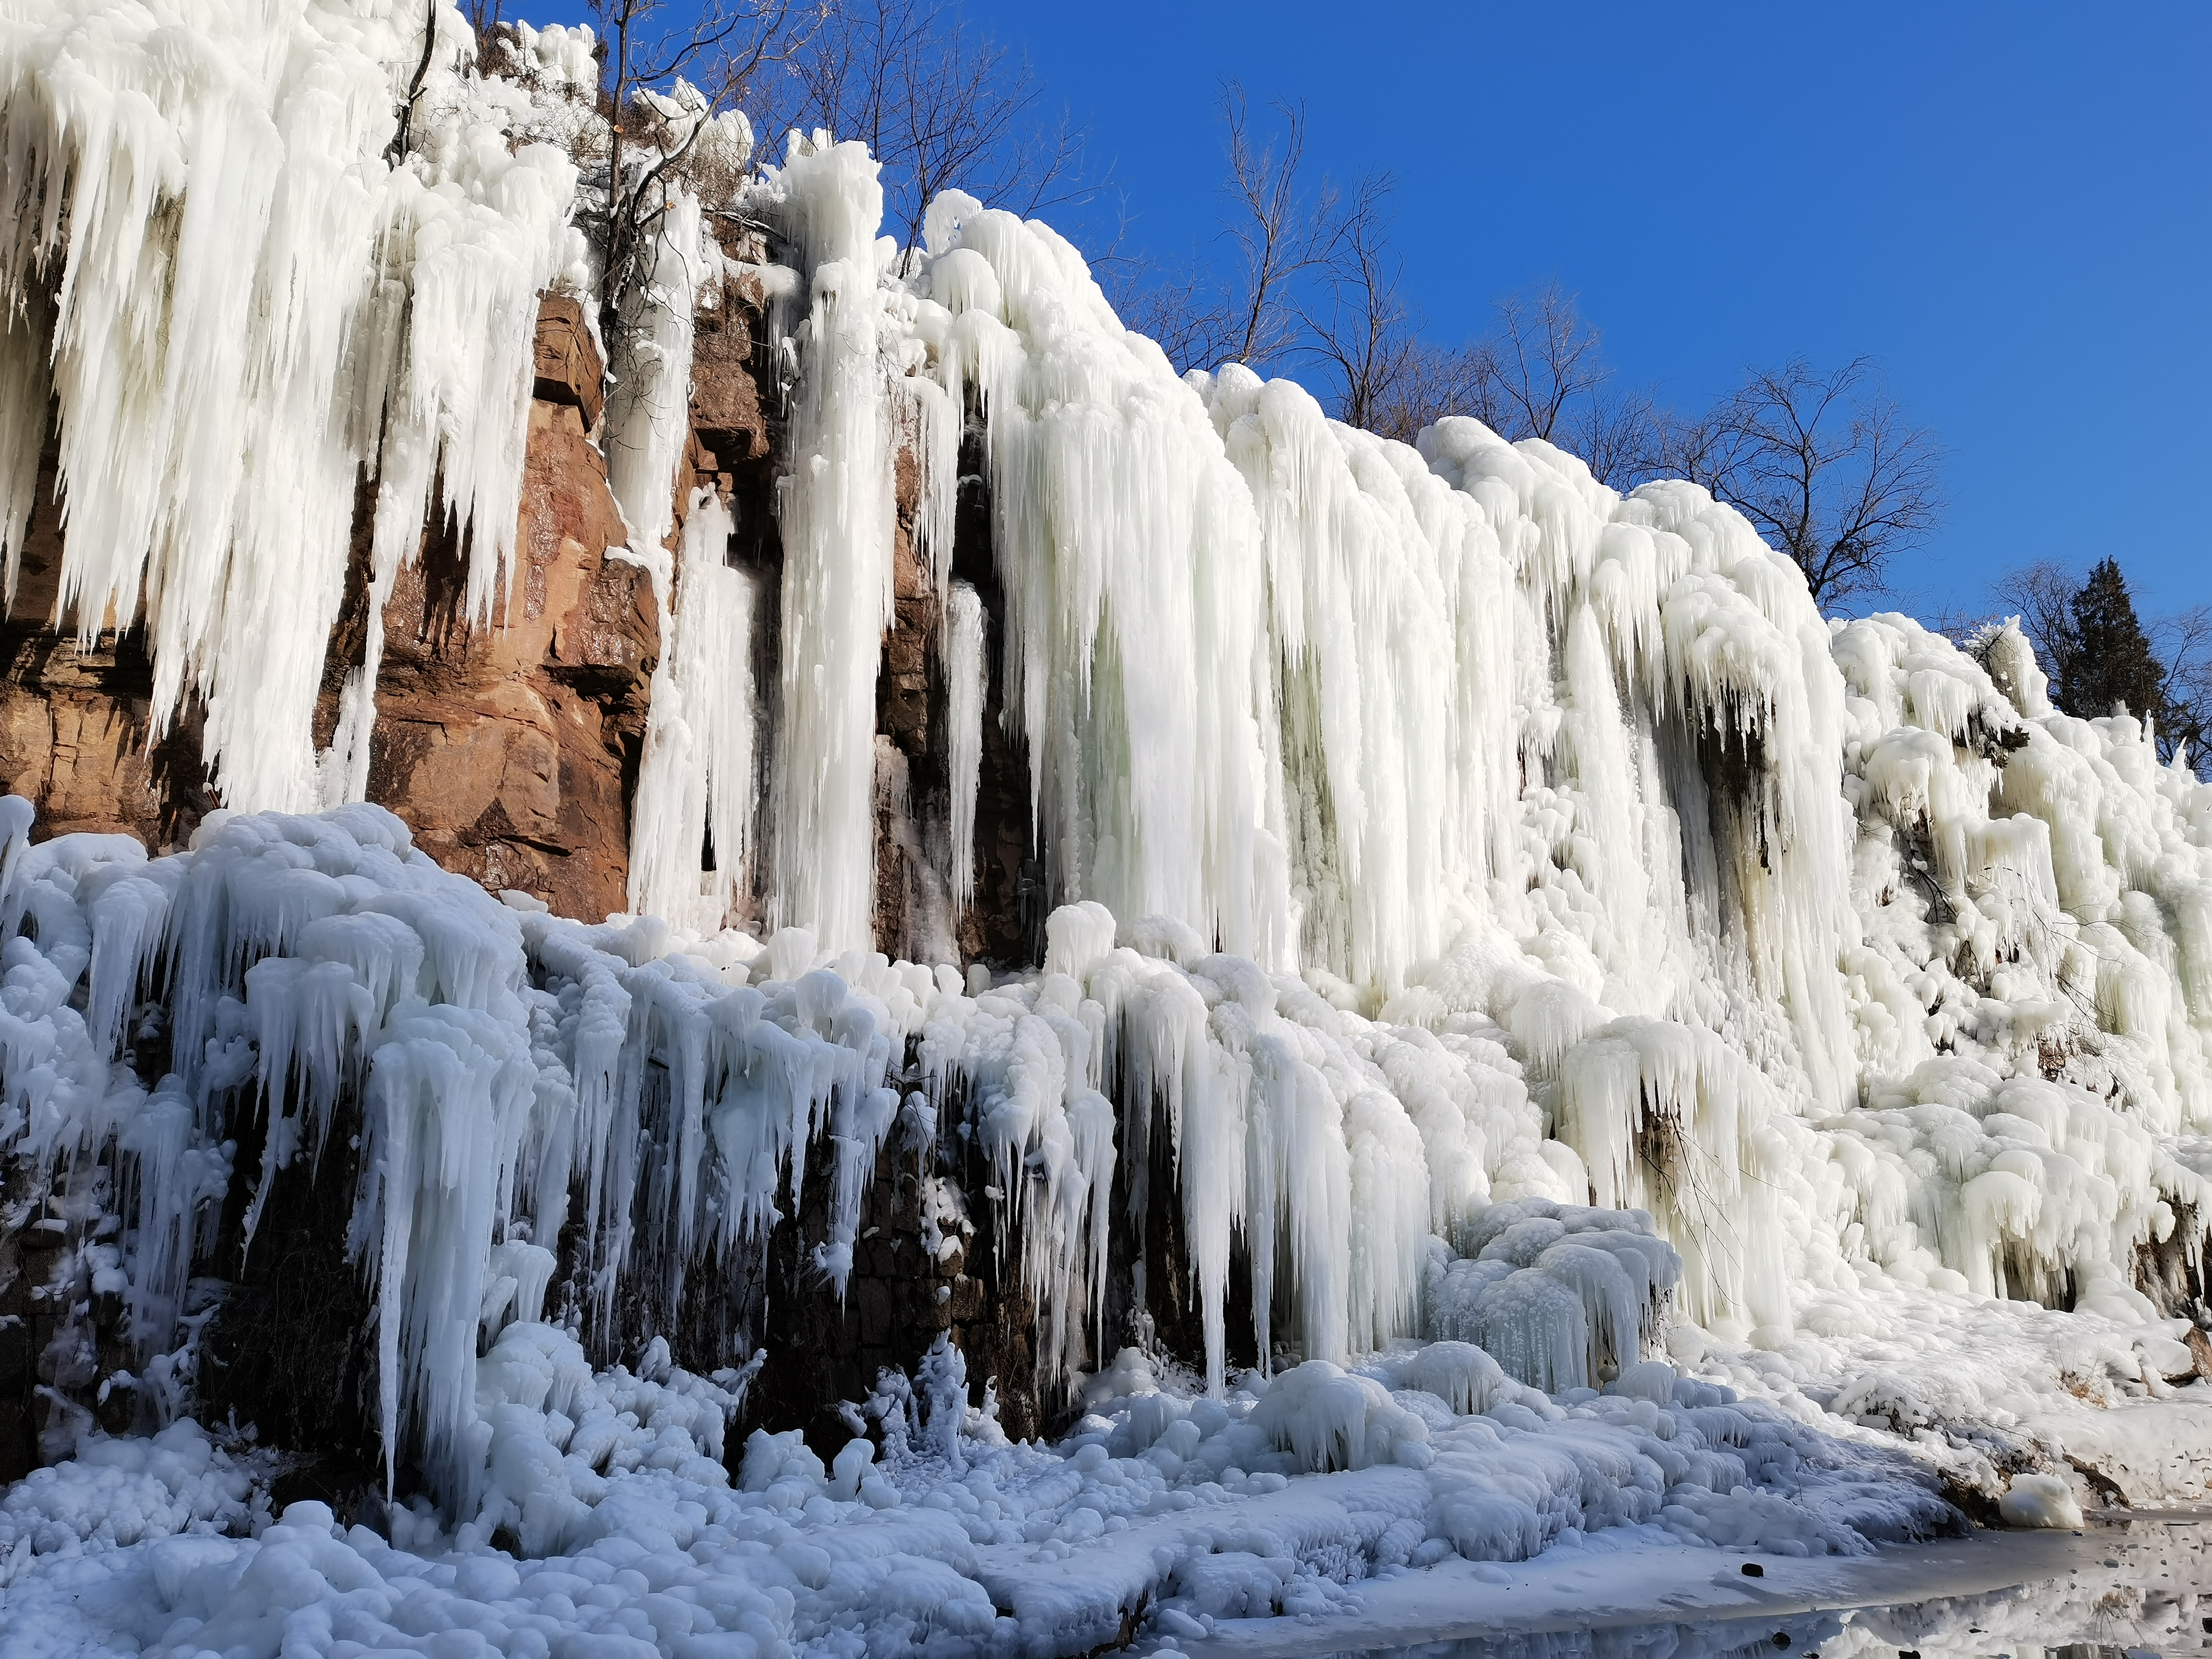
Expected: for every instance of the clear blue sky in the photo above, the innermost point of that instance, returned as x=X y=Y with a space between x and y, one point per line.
x=2009 y=207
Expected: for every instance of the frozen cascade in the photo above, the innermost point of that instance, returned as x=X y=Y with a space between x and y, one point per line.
x=241 y=306
x=649 y=407
x=838 y=512
x=966 y=691
x=695 y=780
x=1522 y=926
x=500 y=1060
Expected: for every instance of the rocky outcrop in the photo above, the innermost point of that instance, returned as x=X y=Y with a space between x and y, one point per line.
x=78 y=733
x=513 y=748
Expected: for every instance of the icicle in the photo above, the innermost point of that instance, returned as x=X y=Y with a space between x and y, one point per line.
x=967 y=689
x=694 y=786
x=835 y=504
x=236 y=261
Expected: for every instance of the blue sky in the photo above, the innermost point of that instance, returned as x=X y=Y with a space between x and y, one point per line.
x=2009 y=207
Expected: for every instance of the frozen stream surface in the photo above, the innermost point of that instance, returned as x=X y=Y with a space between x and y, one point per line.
x=2129 y=1582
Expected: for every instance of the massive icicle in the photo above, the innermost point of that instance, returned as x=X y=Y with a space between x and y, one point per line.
x=837 y=515
x=242 y=307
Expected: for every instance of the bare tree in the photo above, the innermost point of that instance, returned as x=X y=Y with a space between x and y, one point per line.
x=484 y=17
x=1541 y=362
x=1278 y=235
x=2184 y=643
x=1828 y=470
x=2042 y=595
x=1616 y=431
x=1541 y=374
x=1360 y=330
x=1433 y=381
x=1182 y=307
x=398 y=146
x=940 y=104
x=720 y=49
x=1692 y=446
x=1283 y=235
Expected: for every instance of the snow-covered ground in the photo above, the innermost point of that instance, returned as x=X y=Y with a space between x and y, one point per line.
x=1166 y=1519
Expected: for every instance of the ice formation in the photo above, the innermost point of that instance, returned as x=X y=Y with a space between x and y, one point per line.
x=1529 y=937
x=241 y=305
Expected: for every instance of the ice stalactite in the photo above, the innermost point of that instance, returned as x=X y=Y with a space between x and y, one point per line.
x=967 y=692
x=695 y=783
x=496 y=1058
x=1125 y=545
x=648 y=412
x=505 y=1063
x=25 y=397
x=469 y=240
x=836 y=509
x=244 y=306
x=1386 y=704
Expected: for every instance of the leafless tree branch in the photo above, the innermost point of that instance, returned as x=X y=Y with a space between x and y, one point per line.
x=1361 y=330
x=1826 y=467
x=939 y=104
x=721 y=51
x=1543 y=359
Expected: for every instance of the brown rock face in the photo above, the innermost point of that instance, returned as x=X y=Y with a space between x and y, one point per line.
x=569 y=366
x=512 y=749
x=77 y=727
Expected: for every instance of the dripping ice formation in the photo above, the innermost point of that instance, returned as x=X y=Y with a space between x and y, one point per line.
x=1524 y=937
x=240 y=308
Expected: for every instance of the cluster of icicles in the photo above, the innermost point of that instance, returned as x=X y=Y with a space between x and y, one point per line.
x=501 y=1065
x=243 y=307
x=1559 y=850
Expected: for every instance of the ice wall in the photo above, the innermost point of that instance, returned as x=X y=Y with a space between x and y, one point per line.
x=240 y=306
x=1753 y=901
x=504 y=1073
x=1507 y=907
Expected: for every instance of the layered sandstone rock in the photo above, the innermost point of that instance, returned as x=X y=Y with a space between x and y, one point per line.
x=512 y=749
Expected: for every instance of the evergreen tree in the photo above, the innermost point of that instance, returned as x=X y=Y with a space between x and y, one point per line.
x=2110 y=665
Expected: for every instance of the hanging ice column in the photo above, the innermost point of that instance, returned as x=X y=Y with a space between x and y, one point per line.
x=1125 y=544
x=837 y=510
x=239 y=306
x=1391 y=617
x=694 y=786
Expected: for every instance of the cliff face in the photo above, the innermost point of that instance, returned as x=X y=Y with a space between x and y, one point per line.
x=511 y=747
x=512 y=750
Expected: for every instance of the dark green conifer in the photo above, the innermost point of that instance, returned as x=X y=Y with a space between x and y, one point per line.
x=2109 y=665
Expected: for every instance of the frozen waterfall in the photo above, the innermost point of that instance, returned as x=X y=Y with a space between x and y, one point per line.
x=1525 y=918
